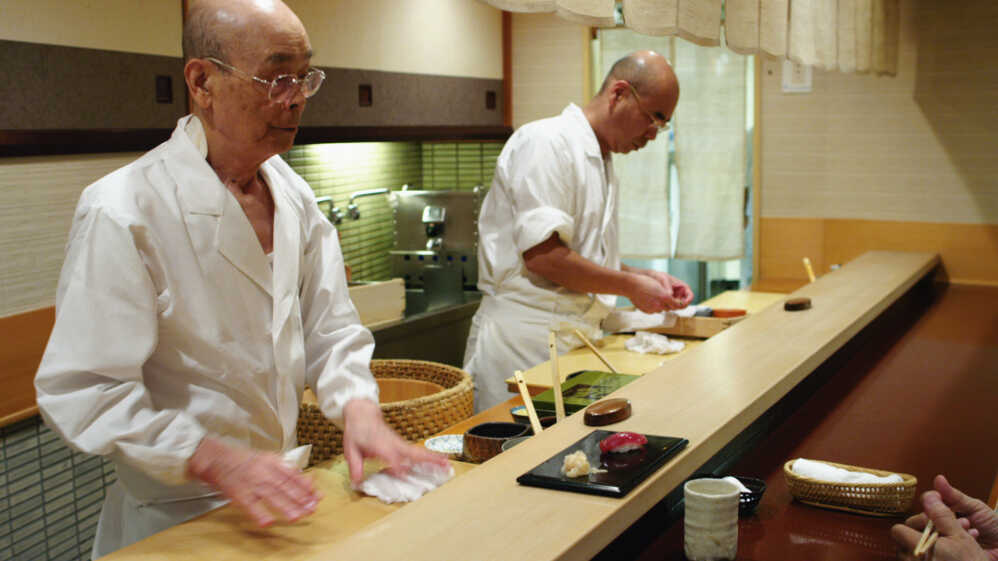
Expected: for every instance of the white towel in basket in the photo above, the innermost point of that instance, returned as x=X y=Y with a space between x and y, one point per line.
x=824 y=472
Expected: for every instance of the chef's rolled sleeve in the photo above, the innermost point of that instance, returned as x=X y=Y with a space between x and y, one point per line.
x=536 y=225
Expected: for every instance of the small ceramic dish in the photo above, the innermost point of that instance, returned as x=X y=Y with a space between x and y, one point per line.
x=513 y=442
x=450 y=444
x=747 y=502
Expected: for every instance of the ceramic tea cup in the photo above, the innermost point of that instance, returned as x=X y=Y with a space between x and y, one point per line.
x=711 y=519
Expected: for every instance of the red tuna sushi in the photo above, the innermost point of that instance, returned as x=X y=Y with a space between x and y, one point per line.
x=622 y=442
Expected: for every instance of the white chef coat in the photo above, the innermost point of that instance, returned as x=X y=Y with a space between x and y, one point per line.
x=172 y=325
x=550 y=177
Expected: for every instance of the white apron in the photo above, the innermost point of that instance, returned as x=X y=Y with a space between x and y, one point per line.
x=550 y=177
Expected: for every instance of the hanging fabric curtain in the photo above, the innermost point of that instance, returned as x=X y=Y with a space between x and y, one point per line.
x=710 y=152
x=644 y=175
x=844 y=35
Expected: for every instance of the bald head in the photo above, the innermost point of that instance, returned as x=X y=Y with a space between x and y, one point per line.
x=647 y=71
x=635 y=101
x=228 y=29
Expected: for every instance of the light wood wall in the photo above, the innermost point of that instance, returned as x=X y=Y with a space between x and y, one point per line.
x=550 y=59
x=876 y=162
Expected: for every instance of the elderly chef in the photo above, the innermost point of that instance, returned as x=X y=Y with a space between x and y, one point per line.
x=548 y=255
x=202 y=291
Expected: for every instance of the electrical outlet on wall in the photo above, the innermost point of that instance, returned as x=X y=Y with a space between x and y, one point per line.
x=796 y=77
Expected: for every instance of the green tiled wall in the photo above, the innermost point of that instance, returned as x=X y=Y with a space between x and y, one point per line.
x=50 y=496
x=459 y=165
x=338 y=170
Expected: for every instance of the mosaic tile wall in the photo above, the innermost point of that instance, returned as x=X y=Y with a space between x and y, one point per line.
x=339 y=170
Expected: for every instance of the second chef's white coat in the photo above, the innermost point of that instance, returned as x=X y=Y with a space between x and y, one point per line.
x=172 y=324
x=550 y=177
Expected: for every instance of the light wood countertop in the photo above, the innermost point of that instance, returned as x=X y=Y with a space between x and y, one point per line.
x=708 y=395
x=612 y=347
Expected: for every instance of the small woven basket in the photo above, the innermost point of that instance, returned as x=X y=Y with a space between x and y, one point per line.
x=876 y=499
x=414 y=419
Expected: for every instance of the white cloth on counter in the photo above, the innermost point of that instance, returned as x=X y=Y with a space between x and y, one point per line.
x=171 y=326
x=421 y=479
x=645 y=342
x=620 y=321
x=824 y=472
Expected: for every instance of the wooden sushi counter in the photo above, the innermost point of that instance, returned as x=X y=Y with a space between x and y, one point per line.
x=710 y=395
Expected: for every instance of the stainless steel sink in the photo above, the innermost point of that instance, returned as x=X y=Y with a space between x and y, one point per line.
x=419 y=301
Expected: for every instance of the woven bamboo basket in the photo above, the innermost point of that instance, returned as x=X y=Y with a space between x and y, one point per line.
x=876 y=499
x=414 y=419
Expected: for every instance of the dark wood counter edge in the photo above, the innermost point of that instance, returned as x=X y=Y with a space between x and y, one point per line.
x=886 y=329
x=95 y=141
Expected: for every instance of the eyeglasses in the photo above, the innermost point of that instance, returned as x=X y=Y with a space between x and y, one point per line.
x=662 y=125
x=283 y=86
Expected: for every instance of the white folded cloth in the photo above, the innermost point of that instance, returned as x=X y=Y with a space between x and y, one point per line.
x=634 y=320
x=824 y=472
x=645 y=342
x=421 y=479
x=734 y=481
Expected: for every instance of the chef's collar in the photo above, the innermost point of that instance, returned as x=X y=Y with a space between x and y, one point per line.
x=591 y=144
x=195 y=132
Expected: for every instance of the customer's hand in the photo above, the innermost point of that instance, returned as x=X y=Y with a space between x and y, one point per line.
x=971 y=537
x=366 y=435
x=259 y=483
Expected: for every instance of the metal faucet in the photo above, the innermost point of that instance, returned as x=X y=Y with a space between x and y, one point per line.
x=352 y=209
x=335 y=214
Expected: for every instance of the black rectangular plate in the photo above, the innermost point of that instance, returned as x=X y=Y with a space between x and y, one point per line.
x=624 y=471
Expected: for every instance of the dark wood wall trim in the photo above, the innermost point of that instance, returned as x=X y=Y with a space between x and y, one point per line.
x=52 y=142
x=314 y=135
x=56 y=142
x=72 y=106
x=507 y=68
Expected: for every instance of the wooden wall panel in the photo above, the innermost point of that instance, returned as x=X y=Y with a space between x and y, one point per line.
x=25 y=336
x=916 y=147
x=969 y=252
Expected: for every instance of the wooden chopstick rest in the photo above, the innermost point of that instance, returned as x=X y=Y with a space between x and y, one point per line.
x=797 y=304
x=607 y=412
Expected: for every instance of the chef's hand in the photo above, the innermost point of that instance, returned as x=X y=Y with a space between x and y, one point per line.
x=648 y=295
x=972 y=537
x=259 y=483
x=366 y=435
x=681 y=293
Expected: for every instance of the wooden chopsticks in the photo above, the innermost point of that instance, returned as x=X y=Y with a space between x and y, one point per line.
x=527 y=402
x=808 y=269
x=595 y=351
x=559 y=400
x=928 y=539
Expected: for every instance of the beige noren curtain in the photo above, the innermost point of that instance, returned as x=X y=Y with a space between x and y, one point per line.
x=847 y=35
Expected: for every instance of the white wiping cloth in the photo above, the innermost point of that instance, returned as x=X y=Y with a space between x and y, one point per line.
x=421 y=479
x=645 y=342
x=824 y=472
x=634 y=320
x=734 y=481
